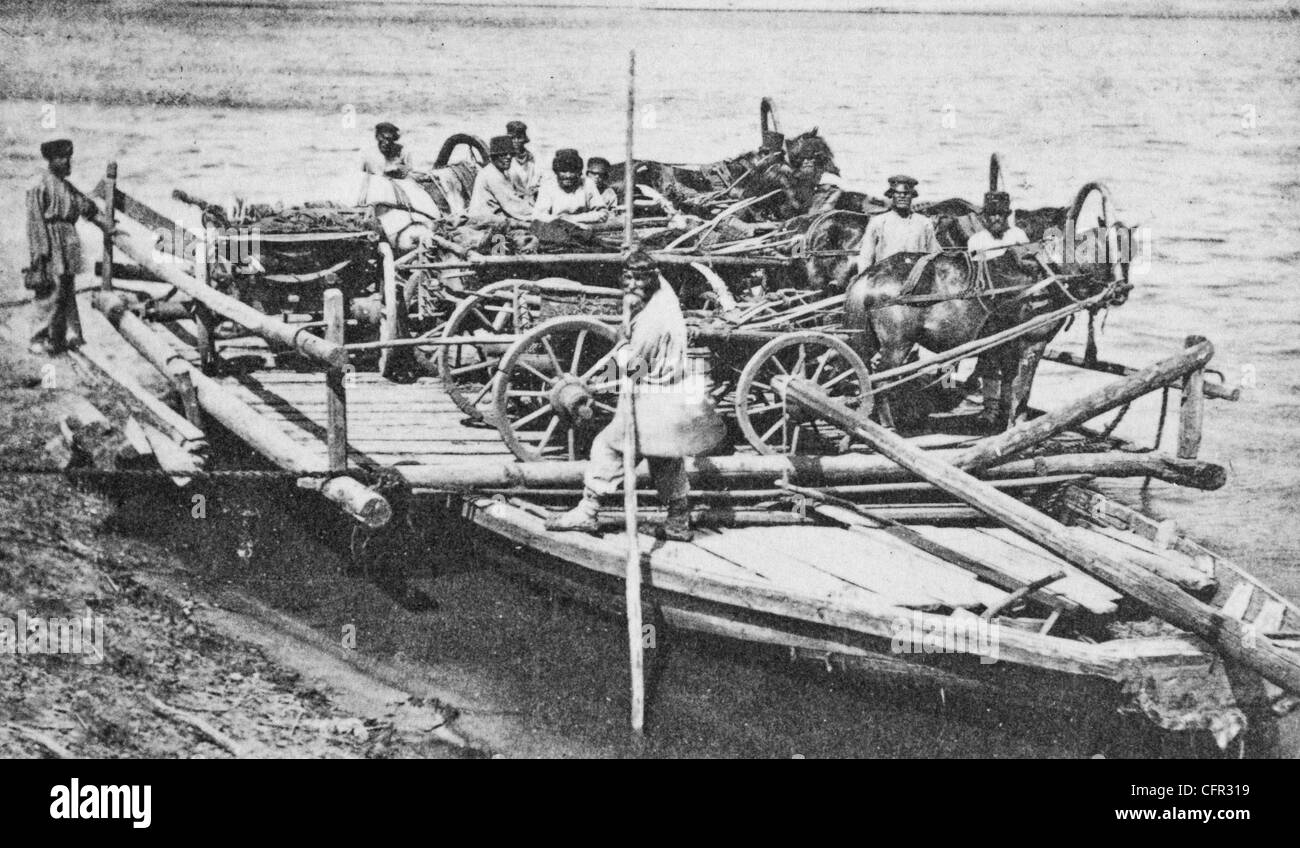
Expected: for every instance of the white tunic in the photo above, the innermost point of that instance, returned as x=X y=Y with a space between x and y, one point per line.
x=891 y=233
x=984 y=242
x=583 y=205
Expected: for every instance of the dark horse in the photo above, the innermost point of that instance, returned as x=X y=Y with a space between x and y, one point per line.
x=725 y=182
x=946 y=314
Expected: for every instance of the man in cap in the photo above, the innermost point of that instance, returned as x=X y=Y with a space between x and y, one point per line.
x=998 y=234
x=991 y=243
x=898 y=230
x=657 y=357
x=53 y=207
x=570 y=196
x=495 y=198
x=393 y=160
x=524 y=172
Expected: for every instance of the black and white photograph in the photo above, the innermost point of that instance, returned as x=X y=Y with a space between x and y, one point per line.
x=650 y=379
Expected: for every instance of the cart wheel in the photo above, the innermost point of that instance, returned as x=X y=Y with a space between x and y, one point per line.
x=469 y=370
x=557 y=389
x=771 y=426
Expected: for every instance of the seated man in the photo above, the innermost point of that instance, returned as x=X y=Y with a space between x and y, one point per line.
x=393 y=160
x=998 y=233
x=495 y=199
x=667 y=429
x=598 y=169
x=570 y=196
x=899 y=230
x=524 y=173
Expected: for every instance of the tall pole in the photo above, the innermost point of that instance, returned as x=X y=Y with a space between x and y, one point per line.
x=627 y=407
x=110 y=221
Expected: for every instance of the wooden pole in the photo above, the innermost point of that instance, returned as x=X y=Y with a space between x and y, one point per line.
x=1212 y=390
x=1164 y=598
x=1191 y=411
x=269 y=327
x=362 y=503
x=632 y=573
x=851 y=469
x=997 y=448
x=110 y=223
x=336 y=406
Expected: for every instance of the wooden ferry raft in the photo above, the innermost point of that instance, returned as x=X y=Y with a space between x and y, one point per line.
x=796 y=566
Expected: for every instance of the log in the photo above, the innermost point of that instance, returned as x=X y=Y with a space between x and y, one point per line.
x=175 y=425
x=1191 y=411
x=997 y=448
x=180 y=464
x=268 y=327
x=1214 y=391
x=127 y=271
x=1164 y=598
x=362 y=503
x=336 y=405
x=813 y=471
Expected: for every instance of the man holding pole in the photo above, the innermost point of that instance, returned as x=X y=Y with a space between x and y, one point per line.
x=674 y=416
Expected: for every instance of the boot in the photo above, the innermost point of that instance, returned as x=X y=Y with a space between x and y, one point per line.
x=677 y=526
x=581 y=517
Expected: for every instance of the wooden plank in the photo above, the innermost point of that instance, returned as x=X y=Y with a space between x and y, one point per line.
x=1238 y=601
x=1165 y=599
x=1027 y=566
x=1269 y=619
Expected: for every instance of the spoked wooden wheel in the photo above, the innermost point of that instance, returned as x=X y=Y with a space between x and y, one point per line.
x=773 y=427
x=469 y=370
x=558 y=388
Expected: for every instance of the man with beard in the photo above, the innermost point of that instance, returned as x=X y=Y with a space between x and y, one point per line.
x=669 y=427
x=570 y=196
x=53 y=207
x=997 y=232
x=898 y=230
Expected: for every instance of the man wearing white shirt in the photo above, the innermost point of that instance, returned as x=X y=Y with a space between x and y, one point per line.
x=998 y=232
x=524 y=173
x=570 y=196
x=900 y=230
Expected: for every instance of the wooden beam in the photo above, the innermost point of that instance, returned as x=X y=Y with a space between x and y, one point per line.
x=1191 y=411
x=357 y=500
x=855 y=469
x=1164 y=598
x=544 y=260
x=268 y=327
x=1214 y=391
x=995 y=449
x=110 y=222
x=336 y=405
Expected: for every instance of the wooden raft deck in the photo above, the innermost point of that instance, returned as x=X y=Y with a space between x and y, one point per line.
x=388 y=423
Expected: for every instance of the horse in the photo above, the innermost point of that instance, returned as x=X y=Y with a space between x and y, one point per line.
x=698 y=188
x=949 y=311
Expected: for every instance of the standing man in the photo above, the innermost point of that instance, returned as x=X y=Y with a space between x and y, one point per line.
x=53 y=207
x=570 y=196
x=670 y=427
x=991 y=243
x=997 y=232
x=899 y=230
x=495 y=198
x=524 y=172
